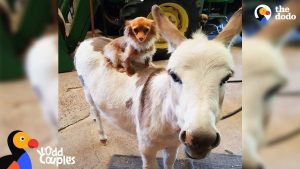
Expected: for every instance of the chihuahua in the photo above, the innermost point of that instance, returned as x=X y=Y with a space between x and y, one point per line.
x=137 y=45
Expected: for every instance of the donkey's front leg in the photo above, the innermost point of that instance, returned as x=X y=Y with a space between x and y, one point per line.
x=148 y=157
x=169 y=156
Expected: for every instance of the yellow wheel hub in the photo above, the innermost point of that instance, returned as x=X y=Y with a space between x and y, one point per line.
x=177 y=15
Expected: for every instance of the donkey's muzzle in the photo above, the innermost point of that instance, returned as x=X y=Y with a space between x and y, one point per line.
x=200 y=140
x=198 y=145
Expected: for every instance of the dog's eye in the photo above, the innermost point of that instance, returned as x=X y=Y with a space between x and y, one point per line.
x=135 y=30
x=175 y=77
x=225 y=79
x=146 y=30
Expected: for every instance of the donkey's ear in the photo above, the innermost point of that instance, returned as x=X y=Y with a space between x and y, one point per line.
x=167 y=29
x=233 y=27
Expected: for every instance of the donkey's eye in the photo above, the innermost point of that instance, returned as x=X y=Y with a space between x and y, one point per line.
x=175 y=77
x=225 y=79
x=274 y=90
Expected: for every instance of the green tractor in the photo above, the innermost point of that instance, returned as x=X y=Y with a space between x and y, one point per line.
x=109 y=17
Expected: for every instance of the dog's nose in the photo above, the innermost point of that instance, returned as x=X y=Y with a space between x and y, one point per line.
x=141 y=39
x=205 y=140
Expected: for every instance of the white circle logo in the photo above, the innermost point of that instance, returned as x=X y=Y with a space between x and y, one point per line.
x=262 y=13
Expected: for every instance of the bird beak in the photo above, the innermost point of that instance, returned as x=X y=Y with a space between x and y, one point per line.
x=33 y=143
x=268 y=12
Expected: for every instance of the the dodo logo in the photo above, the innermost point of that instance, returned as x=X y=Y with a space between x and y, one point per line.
x=17 y=142
x=262 y=13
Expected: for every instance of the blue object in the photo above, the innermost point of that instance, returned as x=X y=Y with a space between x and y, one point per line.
x=24 y=161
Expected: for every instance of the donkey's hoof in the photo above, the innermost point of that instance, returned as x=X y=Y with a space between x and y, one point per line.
x=103 y=141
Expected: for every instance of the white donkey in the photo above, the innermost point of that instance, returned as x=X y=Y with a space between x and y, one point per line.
x=164 y=107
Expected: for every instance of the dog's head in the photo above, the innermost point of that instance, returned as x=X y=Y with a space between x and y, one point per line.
x=140 y=29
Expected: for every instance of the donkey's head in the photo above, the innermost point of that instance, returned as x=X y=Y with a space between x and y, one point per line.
x=198 y=70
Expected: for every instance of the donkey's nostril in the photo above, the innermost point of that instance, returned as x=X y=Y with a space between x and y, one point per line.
x=186 y=137
x=182 y=136
x=217 y=141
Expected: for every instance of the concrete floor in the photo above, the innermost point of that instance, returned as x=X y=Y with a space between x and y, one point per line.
x=20 y=110
x=79 y=134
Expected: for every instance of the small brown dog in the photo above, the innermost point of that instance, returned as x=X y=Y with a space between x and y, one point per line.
x=136 y=45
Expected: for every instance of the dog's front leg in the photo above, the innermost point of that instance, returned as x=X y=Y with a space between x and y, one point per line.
x=126 y=60
x=169 y=156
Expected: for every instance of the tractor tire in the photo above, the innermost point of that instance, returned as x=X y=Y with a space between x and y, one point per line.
x=102 y=23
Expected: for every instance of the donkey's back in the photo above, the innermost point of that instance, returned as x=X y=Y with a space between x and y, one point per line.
x=104 y=86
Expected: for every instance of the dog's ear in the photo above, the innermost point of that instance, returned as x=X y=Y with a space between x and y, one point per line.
x=151 y=21
x=127 y=29
x=153 y=25
x=153 y=29
x=167 y=29
x=233 y=27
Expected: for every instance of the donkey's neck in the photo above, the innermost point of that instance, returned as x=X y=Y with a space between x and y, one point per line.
x=160 y=105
